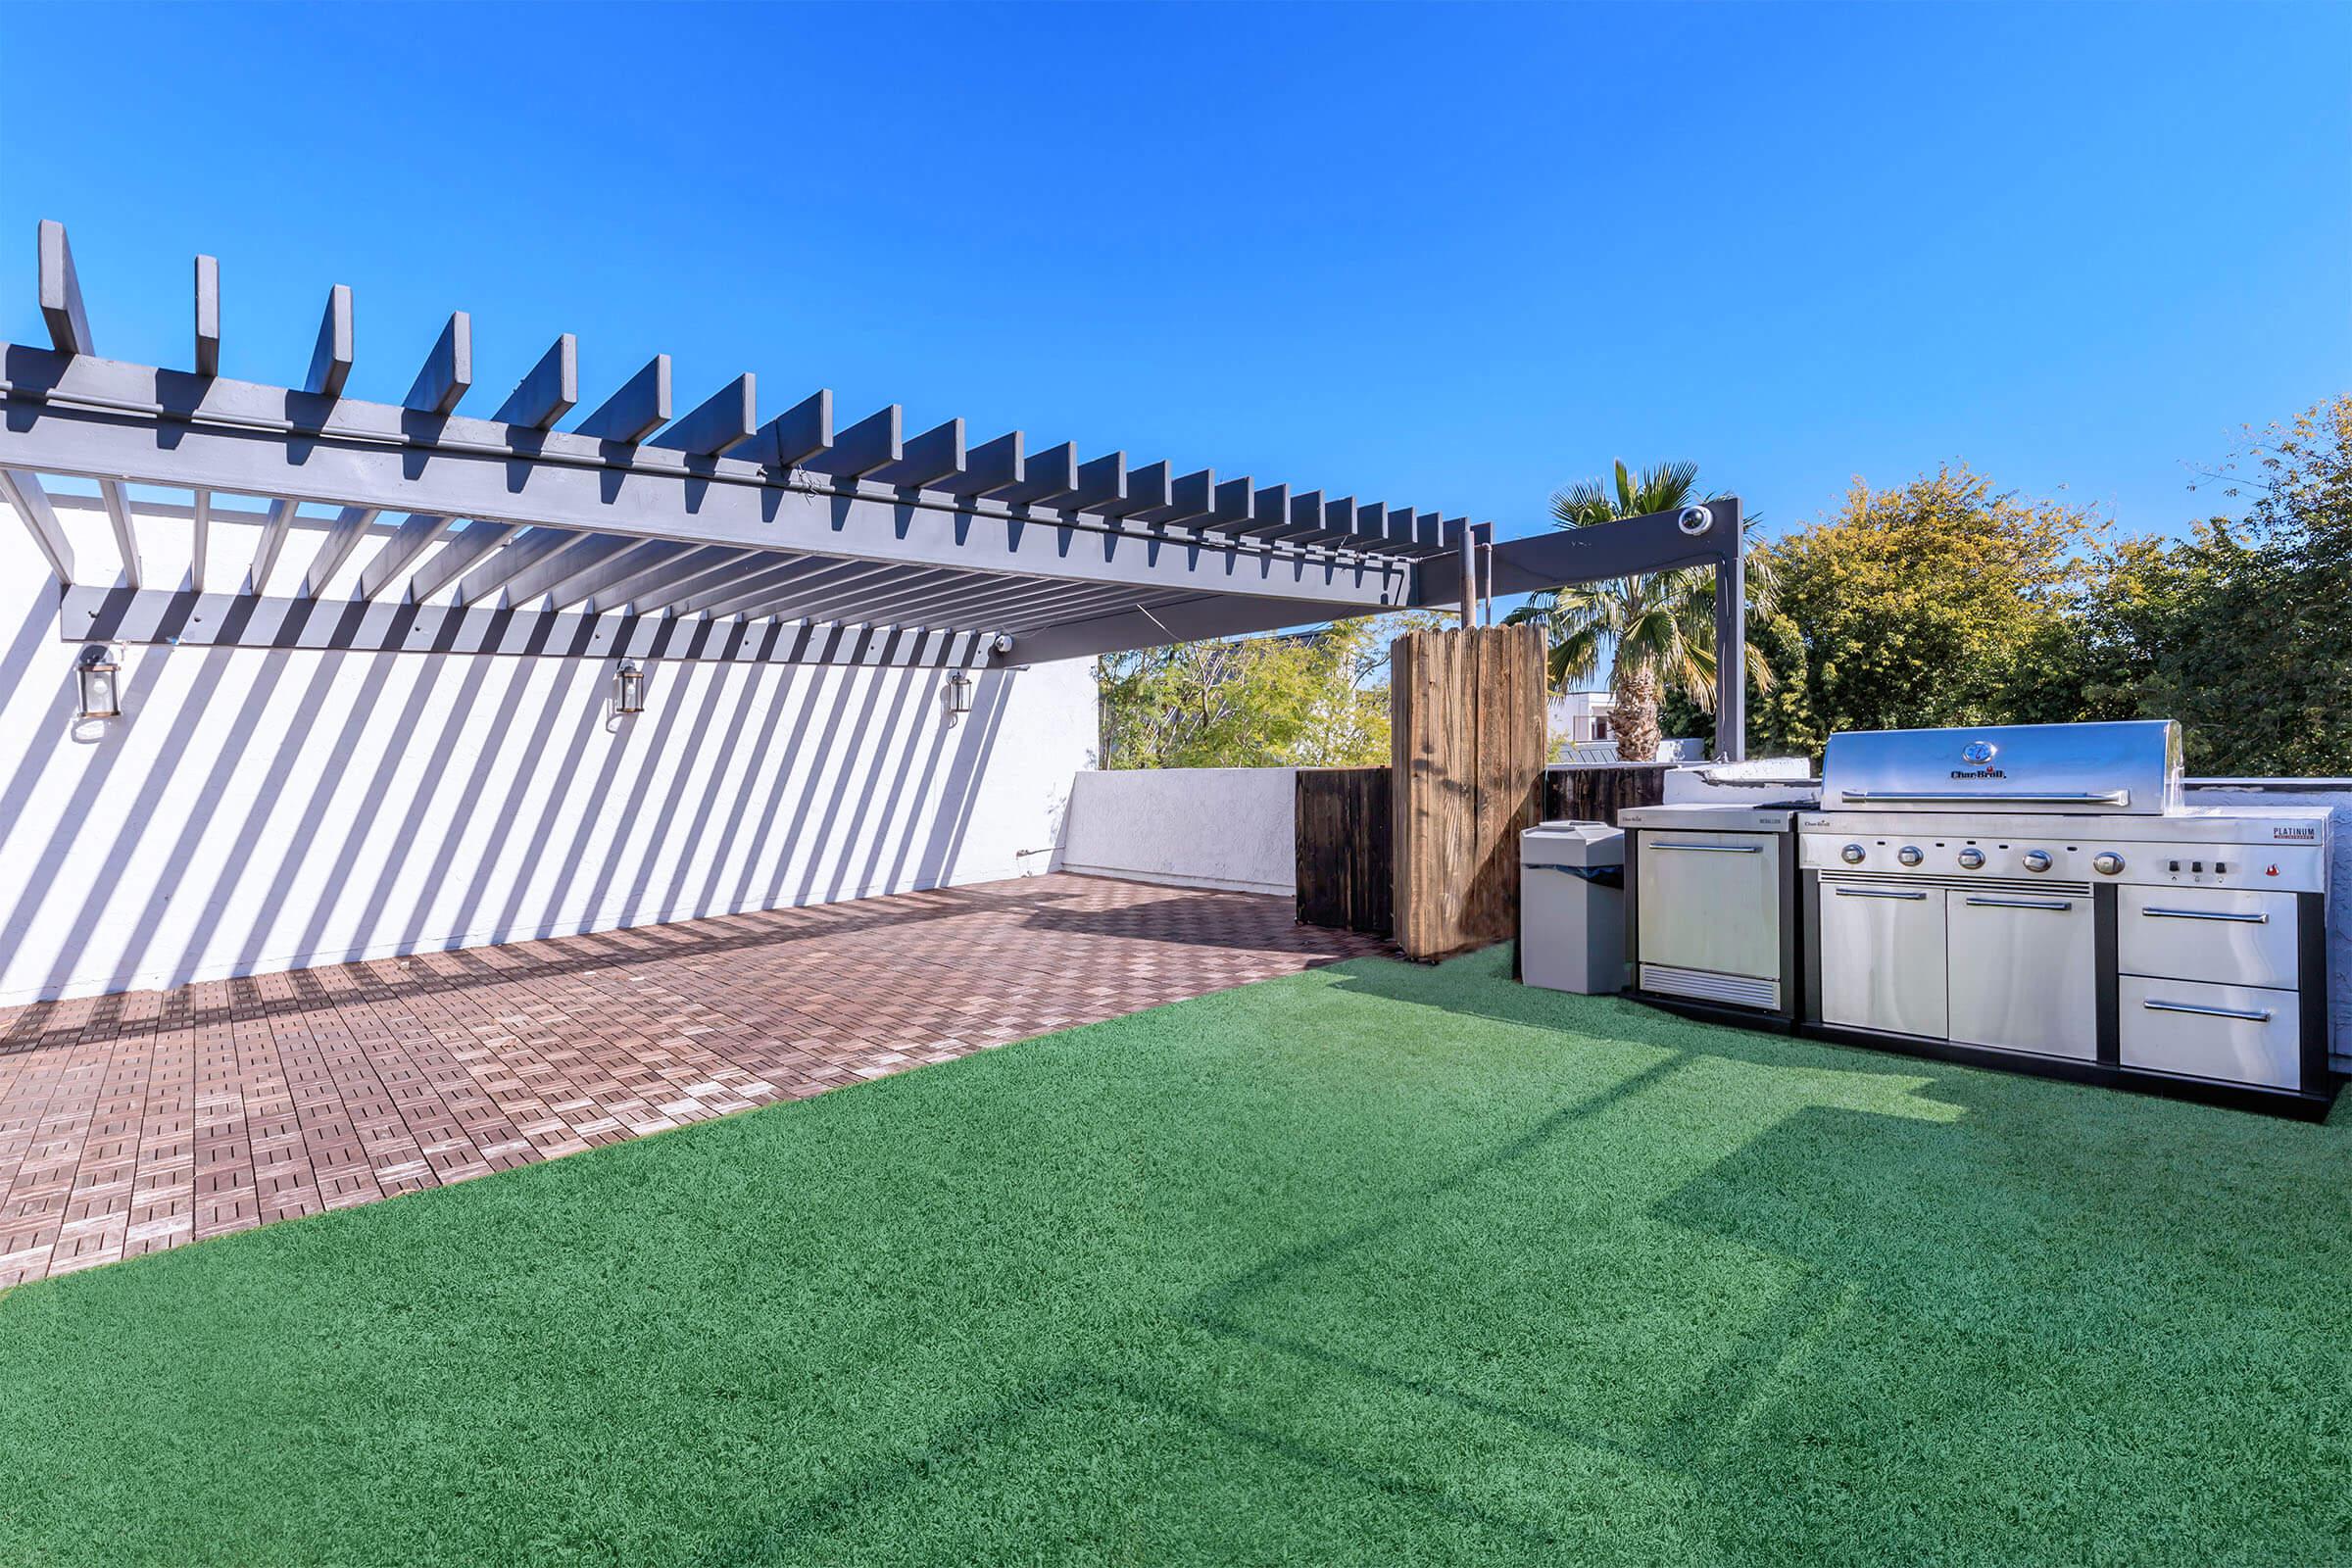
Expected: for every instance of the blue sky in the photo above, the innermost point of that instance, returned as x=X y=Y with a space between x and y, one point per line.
x=1445 y=257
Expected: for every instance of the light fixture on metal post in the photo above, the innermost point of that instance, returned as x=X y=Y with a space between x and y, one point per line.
x=628 y=688
x=101 y=694
x=959 y=694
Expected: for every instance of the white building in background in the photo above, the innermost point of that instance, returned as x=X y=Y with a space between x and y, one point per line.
x=1580 y=719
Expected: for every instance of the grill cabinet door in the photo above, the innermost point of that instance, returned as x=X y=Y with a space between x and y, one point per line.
x=2024 y=972
x=1883 y=958
x=1710 y=901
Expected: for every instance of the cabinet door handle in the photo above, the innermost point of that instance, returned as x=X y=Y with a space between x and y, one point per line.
x=2206 y=915
x=2254 y=1015
x=1710 y=848
x=1874 y=893
x=2023 y=903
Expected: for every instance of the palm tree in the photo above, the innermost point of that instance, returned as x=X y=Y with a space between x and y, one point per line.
x=1658 y=628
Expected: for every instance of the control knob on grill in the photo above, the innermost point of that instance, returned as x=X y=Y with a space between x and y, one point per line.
x=2038 y=859
x=1853 y=853
x=1972 y=858
x=1910 y=855
x=2107 y=863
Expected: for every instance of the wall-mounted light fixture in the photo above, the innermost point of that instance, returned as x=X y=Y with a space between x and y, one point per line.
x=628 y=688
x=101 y=695
x=959 y=694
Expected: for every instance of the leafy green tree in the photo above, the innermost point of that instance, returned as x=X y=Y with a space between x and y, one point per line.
x=1936 y=603
x=2243 y=631
x=1318 y=699
x=1657 y=629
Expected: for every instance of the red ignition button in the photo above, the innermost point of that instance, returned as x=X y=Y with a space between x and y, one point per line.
x=2272 y=871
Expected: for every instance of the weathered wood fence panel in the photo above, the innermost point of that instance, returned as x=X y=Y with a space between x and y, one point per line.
x=1466 y=716
x=1347 y=876
x=1596 y=792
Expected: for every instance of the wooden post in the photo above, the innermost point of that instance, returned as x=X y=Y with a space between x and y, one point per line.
x=1466 y=717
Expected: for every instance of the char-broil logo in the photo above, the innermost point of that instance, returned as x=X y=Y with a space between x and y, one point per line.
x=1978 y=753
x=2296 y=832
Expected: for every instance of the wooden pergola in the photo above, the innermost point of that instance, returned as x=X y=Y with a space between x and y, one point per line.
x=712 y=535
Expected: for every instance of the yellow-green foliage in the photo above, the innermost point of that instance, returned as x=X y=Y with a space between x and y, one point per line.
x=1921 y=604
x=1318 y=700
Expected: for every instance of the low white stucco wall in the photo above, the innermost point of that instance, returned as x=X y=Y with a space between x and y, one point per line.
x=2339 y=803
x=1194 y=827
x=258 y=810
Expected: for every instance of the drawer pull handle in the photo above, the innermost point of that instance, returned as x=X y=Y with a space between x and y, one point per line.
x=1711 y=849
x=1874 y=893
x=2023 y=903
x=2253 y=1015
x=2206 y=915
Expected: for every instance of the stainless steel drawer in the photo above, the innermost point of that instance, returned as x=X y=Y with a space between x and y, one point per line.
x=2235 y=1034
x=2225 y=935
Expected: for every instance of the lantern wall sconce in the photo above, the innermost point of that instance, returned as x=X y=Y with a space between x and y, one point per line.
x=958 y=694
x=96 y=677
x=628 y=688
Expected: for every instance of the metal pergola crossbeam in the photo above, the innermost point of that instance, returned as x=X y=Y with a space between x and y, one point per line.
x=708 y=534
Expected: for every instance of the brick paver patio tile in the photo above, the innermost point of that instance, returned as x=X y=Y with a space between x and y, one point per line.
x=137 y=1122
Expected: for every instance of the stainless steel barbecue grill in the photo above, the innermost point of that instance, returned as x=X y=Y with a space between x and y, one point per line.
x=2029 y=895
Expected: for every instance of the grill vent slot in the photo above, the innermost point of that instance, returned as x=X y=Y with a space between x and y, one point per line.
x=1740 y=991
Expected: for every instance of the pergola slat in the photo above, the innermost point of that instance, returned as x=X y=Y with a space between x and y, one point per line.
x=126 y=535
x=547 y=391
x=342 y=538
x=1050 y=472
x=409 y=541
x=767 y=578
x=477 y=541
x=662 y=568
x=24 y=496
x=725 y=418
x=273 y=540
x=208 y=316
x=990 y=469
x=792 y=437
x=928 y=458
x=871 y=443
x=1192 y=499
x=521 y=568
x=331 y=358
x=636 y=410
x=61 y=291
x=448 y=369
x=200 y=541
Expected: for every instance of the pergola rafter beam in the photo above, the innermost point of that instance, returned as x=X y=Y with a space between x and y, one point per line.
x=449 y=562
x=244 y=620
x=360 y=455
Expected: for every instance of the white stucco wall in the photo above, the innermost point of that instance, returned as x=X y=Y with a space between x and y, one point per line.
x=1196 y=827
x=257 y=811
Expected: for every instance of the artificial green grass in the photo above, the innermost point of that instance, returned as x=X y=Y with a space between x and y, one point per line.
x=1370 y=1264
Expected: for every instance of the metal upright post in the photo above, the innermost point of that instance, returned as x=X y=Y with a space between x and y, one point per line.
x=1731 y=635
x=1469 y=575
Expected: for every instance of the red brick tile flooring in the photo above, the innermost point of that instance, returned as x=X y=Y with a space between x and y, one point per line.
x=135 y=1122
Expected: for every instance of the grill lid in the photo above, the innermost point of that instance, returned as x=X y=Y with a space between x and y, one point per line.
x=2131 y=769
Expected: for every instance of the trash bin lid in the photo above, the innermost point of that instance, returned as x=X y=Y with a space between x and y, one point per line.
x=1572 y=844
